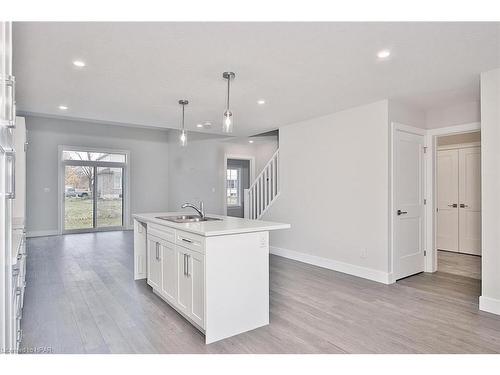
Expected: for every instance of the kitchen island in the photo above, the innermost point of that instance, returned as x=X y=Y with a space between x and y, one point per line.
x=215 y=273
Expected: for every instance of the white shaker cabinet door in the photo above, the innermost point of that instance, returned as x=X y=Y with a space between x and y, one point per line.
x=169 y=272
x=154 y=264
x=184 y=288
x=196 y=274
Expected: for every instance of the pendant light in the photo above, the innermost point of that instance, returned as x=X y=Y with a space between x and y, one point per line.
x=183 y=137
x=227 y=121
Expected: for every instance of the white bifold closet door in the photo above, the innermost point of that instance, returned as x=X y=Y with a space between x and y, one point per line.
x=459 y=200
x=469 y=209
x=447 y=200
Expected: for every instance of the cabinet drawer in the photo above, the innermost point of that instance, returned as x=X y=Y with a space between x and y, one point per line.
x=162 y=232
x=190 y=241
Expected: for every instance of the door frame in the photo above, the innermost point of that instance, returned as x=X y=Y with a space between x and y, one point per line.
x=125 y=183
x=431 y=188
x=395 y=126
x=251 y=159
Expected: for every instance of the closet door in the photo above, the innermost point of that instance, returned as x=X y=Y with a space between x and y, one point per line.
x=470 y=200
x=447 y=200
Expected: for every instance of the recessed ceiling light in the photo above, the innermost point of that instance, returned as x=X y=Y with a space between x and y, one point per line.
x=261 y=101
x=383 y=54
x=250 y=141
x=79 y=63
x=199 y=125
x=63 y=107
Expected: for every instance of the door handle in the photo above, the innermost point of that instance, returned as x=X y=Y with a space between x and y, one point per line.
x=402 y=212
x=454 y=205
x=463 y=205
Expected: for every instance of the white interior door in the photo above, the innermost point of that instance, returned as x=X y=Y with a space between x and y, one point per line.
x=447 y=200
x=470 y=200
x=408 y=204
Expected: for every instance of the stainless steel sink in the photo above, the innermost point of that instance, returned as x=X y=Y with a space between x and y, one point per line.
x=186 y=218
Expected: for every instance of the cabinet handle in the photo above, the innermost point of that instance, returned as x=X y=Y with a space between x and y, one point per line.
x=463 y=205
x=11 y=155
x=186 y=240
x=184 y=264
x=9 y=81
x=454 y=205
x=19 y=337
x=187 y=265
x=402 y=212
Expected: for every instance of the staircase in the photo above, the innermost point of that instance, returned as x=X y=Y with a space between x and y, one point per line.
x=264 y=190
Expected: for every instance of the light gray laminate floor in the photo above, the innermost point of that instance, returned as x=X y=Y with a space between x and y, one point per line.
x=81 y=298
x=459 y=264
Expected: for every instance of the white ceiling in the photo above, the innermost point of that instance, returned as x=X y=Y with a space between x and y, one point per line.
x=136 y=72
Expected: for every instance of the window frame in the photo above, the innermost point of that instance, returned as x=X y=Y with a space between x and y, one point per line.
x=126 y=217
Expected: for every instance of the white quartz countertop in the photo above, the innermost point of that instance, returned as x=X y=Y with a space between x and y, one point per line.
x=228 y=224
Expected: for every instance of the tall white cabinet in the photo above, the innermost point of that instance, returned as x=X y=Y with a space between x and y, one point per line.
x=459 y=198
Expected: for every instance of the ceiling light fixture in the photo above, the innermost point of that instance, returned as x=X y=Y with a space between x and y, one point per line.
x=227 y=122
x=183 y=137
x=199 y=125
x=79 y=63
x=63 y=107
x=250 y=141
x=261 y=101
x=383 y=54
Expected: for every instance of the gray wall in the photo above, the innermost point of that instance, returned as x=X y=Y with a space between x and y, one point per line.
x=196 y=172
x=334 y=190
x=148 y=165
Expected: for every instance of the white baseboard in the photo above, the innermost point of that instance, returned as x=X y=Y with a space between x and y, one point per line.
x=351 y=269
x=42 y=233
x=490 y=305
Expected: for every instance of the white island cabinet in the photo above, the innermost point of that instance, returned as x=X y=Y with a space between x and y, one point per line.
x=214 y=273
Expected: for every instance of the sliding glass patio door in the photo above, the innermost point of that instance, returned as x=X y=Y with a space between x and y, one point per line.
x=93 y=198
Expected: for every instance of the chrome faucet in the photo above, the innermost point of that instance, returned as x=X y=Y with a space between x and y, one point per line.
x=200 y=210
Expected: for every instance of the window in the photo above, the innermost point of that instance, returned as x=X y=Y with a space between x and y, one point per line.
x=233 y=184
x=94 y=183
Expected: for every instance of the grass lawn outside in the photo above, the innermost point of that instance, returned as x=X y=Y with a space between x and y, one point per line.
x=78 y=213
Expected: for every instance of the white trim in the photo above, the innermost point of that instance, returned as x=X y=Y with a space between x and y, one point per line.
x=458 y=146
x=490 y=305
x=251 y=159
x=127 y=217
x=43 y=233
x=412 y=130
x=334 y=265
x=432 y=134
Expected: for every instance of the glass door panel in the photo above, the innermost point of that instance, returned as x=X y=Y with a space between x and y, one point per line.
x=78 y=198
x=109 y=207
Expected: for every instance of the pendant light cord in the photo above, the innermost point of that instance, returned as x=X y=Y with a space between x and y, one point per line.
x=228 y=84
x=183 y=117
